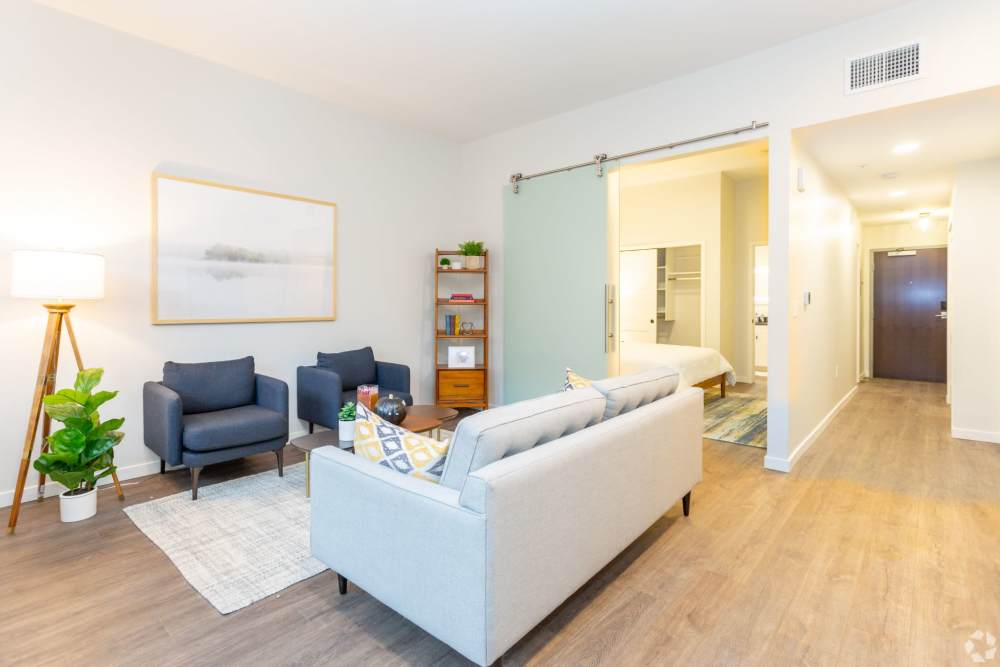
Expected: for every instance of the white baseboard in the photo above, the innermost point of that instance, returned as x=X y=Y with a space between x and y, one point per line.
x=745 y=379
x=53 y=489
x=782 y=464
x=992 y=437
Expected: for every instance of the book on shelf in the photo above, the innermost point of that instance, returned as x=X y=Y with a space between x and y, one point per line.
x=461 y=296
x=452 y=325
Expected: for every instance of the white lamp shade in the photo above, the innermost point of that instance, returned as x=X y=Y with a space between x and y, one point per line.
x=56 y=275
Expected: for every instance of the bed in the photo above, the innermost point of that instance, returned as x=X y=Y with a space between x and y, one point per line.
x=698 y=366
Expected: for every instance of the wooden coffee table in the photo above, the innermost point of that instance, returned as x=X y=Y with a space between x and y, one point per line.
x=419 y=419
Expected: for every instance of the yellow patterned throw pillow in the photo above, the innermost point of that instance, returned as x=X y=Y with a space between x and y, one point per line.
x=396 y=448
x=575 y=381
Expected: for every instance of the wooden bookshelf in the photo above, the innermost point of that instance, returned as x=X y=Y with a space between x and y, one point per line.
x=461 y=387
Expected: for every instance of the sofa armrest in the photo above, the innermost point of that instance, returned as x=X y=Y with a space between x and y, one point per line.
x=406 y=541
x=319 y=395
x=393 y=376
x=162 y=423
x=272 y=394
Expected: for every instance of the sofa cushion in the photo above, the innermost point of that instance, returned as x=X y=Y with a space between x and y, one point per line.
x=396 y=448
x=355 y=367
x=628 y=392
x=494 y=434
x=215 y=385
x=244 y=425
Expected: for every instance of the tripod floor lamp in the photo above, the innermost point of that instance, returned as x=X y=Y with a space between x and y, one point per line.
x=59 y=279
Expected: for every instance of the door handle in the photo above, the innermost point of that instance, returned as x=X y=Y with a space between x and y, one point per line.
x=942 y=316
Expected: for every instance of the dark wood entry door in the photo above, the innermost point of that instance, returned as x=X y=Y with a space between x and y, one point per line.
x=909 y=331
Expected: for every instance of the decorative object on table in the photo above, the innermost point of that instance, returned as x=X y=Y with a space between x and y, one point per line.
x=391 y=408
x=445 y=263
x=575 y=381
x=457 y=265
x=58 y=279
x=461 y=387
x=461 y=356
x=218 y=255
x=396 y=448
x=345 y=421
x=264 y=549
x=82 y=451
x=473 y=253
x=334 y=380
x=205 y=413
x=368 y=395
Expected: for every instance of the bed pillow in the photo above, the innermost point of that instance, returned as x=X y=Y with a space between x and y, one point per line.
x=628 y=392
x=575 y=380
x=396 y=448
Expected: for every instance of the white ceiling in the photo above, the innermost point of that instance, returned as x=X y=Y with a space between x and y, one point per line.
x=468 y=68
x=858 y=153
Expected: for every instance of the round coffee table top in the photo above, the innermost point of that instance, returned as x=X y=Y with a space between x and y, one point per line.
x=419 y=423
x=307 y=443
x=433 y=411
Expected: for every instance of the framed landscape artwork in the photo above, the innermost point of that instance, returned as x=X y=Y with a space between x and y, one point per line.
x=223 y=253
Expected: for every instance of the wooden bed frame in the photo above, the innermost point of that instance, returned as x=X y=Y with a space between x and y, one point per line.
x=719 y=379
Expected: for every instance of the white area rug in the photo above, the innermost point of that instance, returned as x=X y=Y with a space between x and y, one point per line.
x=241 y=541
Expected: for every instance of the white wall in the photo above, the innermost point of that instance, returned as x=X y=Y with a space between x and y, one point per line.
x=792 y=85
x=888 y=237
x=974 y=295
x=682 y=211
x=824 y=246
x=750 y=228
x=87 y=113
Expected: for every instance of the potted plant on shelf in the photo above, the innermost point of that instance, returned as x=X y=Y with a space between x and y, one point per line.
x=346 y=417
x=82 y=451
x=473 y=253
x=445 y=263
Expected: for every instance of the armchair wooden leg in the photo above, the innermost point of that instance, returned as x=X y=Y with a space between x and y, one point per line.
x=194 y=482
x=311 y=426
x=163 y=466
x=280 y=453
x=686 y=503
x=342 y=584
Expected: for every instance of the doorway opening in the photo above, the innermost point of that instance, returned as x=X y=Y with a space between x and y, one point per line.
x=692 y=239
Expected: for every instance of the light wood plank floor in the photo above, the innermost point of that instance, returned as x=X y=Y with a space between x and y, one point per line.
x=881 y=548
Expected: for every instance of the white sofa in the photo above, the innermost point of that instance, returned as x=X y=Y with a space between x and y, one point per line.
x=536 y=497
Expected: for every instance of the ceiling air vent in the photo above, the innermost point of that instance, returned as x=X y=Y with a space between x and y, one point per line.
x=883 y=68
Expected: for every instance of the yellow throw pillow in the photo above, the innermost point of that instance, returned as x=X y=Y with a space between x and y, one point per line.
x=575 y=380
x=396 y=448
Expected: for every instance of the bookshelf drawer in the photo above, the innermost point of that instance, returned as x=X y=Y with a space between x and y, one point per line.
x=460 y=385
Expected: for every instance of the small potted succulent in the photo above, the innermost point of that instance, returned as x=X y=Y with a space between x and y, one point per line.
x=346 y=417
x=82 y=451
x=473 y=253
x=445 y=263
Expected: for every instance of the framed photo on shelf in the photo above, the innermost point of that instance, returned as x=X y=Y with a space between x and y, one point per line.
x=461 y=356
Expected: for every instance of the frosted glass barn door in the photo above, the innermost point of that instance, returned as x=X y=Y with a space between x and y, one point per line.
x=555 y=312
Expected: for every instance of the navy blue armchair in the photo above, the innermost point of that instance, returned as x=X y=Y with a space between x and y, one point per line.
x=207 y=413
x=335 y=379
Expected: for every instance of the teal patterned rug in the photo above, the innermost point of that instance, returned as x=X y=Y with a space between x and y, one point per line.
x=737 y=419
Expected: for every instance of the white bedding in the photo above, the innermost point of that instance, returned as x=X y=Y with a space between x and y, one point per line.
x=695 y=364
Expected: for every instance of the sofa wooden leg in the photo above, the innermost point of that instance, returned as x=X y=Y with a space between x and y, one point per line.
x=281 y=461
x=686 y=503
x=163 y=467
x=194 y=482
x=342 y=584
x=311 y=426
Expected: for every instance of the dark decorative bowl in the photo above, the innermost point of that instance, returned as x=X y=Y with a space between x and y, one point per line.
x=391 y=409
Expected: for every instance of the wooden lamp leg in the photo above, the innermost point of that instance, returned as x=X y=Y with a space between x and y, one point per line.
x=49 y=346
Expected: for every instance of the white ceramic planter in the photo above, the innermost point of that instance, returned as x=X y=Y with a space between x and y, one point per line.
x=77 y=507
x=346 y=433
x=473 y=261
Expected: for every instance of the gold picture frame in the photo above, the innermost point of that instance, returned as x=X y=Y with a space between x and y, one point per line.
x=155 y=308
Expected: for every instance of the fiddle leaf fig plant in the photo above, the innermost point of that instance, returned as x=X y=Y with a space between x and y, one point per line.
x=471 y=248
x=81 y=452
x=348 y=412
